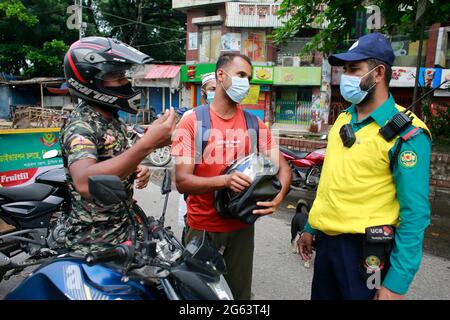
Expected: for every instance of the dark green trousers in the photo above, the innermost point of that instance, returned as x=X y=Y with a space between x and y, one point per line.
x=237 y=249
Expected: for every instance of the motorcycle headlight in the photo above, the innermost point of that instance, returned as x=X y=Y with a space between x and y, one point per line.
x=221 y=289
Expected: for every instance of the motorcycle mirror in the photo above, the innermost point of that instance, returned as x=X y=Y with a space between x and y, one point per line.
x=51 y=154
x=201 y=255
x=107 y=189
x=167 y=182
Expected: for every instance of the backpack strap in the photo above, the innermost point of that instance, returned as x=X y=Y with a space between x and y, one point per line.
x=203 y=131
x=204 y=126
x=253 y=130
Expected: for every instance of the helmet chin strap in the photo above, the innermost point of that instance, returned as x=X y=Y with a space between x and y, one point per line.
x=105 y=109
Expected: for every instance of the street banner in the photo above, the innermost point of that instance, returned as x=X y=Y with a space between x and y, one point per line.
x=21 y=152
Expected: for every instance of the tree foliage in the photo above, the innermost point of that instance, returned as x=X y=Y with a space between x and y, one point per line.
x=161 y=34
x=337 y=19
x=34 y=35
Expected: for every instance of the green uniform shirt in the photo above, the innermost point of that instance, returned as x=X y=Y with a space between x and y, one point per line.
x=411 y=174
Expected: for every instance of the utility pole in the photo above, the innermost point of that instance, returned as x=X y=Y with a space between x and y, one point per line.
x=82 y=25
x=420 y=18
x=138 y=25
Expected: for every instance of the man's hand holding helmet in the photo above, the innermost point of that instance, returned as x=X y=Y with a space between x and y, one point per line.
x=272 y=206
x=237 y=181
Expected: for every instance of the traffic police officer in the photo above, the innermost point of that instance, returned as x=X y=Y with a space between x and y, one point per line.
x=372 y=204
x=94 y=140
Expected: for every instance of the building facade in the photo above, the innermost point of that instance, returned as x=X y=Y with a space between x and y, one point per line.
x=290 y=90
x=286 y=87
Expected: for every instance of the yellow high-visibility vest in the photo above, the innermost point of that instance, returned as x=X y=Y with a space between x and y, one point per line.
x=356 y=188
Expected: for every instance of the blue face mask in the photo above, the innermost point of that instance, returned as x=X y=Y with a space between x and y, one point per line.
x=210 y=96
x=239 y=88
x=351 y=88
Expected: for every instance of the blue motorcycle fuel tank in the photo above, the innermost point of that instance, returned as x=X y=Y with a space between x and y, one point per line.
x=72 y=279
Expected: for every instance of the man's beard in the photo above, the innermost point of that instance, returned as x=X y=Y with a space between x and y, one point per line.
x=371 y=93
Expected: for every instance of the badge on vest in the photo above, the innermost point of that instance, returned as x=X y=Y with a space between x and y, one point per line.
x=380 y=234
x=408 y=159
x=376 y=250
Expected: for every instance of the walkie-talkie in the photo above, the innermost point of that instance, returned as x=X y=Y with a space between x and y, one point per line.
x=402 y=119
x=396 y=125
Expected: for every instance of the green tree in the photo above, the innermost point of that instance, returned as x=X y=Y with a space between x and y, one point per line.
x=34 y=37
x=337 y=16
x=151 y=26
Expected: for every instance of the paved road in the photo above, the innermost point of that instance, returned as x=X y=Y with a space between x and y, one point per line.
x=278 y=273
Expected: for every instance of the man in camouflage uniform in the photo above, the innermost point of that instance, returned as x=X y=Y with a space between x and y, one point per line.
x=87 y=135
x=94 y=139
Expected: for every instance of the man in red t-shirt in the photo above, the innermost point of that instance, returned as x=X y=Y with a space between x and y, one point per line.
x=228 y=141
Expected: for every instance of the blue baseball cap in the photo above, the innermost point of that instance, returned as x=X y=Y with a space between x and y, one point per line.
x=371 y=46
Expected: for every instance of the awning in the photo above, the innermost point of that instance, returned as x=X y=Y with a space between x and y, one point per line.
x=162 y=72
x=62 y=90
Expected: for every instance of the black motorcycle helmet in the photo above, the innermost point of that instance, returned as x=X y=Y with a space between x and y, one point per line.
x=91 y=60
x=265 y=187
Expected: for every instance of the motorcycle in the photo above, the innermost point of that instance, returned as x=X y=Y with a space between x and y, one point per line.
x=306 y=167
x=161 y=156
x=36 y=212
x=158 y=158
x=152 y=265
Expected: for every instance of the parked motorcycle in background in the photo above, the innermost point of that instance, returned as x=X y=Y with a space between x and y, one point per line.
x=161 y=156
x=306 y=167
x=154 y=266
x=36 y=212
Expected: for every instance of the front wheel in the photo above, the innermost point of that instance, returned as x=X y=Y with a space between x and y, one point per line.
x=160 y=157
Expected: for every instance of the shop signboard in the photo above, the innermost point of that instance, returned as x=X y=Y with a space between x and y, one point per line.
x=253 y=95
x=430 y=77
x=231 y=42
x=444 y=90
x=194 y=73
x=259 y=15
x=403 y=77
x=299 y=76
x=263 y=75
x=21 y=152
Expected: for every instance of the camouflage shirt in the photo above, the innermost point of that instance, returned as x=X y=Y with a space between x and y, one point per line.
x=87 y=135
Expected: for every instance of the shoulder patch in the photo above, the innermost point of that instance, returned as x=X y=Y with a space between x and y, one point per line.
x=408 y=159
x=81 y=142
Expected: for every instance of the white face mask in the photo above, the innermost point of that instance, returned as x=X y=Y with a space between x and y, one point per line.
x=239 y=88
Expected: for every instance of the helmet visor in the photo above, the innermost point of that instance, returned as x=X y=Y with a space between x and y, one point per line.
x=254 y=165
x=114 y=71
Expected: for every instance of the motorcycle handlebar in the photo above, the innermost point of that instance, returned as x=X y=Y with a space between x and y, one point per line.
x=156 y=230
x=117 y=254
